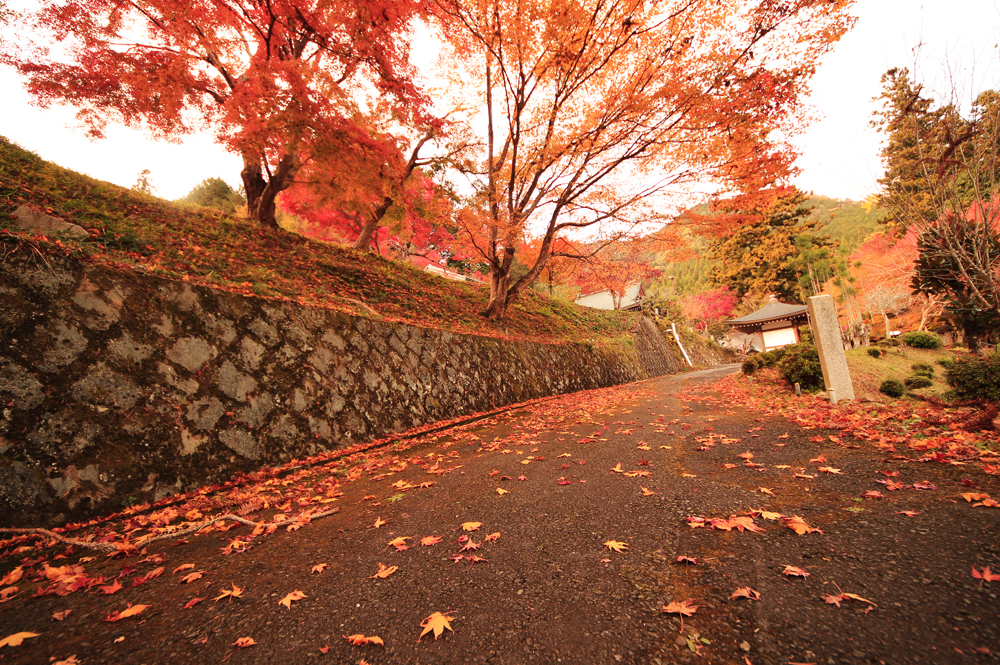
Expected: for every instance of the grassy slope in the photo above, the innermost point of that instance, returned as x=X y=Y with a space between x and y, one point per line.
x=868 y=373
x=202 y=246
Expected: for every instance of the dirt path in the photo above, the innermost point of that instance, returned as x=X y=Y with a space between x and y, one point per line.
x=547 y=590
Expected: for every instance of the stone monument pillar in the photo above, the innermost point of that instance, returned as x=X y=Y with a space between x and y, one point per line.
x=830 y=345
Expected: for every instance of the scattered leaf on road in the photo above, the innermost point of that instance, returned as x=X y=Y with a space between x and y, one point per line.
x=437 y=623
x=16 y=639
x=615 y=545
x=293 y=596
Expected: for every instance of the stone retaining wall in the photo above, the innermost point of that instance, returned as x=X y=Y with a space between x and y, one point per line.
x=120 y=386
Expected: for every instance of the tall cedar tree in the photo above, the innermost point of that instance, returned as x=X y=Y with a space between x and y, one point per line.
x=942 y=182
x=280 y=82
x=595 y=108
x=761 y=256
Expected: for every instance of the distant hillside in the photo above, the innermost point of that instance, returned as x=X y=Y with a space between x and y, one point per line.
x=132 y=230
x=845 y=221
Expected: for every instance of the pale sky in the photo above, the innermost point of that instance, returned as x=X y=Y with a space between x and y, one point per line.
x=839 y=151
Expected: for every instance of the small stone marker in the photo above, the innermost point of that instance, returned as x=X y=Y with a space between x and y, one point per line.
x=47 y=224
x=833 y=360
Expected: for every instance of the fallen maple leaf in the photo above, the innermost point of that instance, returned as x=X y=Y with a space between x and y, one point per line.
x=793 y=571
x=615 y=545
x=437 y=623
x=471 y=545
x=985 y=575
x=111 y=588
x=820 y=459
x=360 y=640
x=182 y=567
x=59 y=616
x=427 y=541
x=293 y=596
x=244 y=642
x=909 y=513
x=872 y=494
x=235 y=592
x=492 y=538
x=683 y=607
x=746 y=455
x=191 y=603
x=471 y=526
x=378 y=523
x=768 y=515
x=828 y=469
x=799 y=526
x=319 y=568
x=501 y=491
x=745 y=592
x=16 y=639
x=764 y=490
x=191 y=577
x=686 y=559
x=13 y=577
x=8 y=593
x=398 y=543
x=384 y=571
x=130 y=611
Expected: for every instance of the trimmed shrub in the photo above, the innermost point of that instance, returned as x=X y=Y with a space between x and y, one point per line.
x=756 y=362
x=892 y=388
x=799 y=363
x=917 y=381
x=875 y=353
x=921 y=339
x=944 y=362
x=975 y=377
x=922 y=369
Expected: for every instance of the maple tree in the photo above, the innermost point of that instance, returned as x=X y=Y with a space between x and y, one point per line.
x=280 y=83
x=708 y=309
x=381 y=193
x=595 y=109
x=621 y=265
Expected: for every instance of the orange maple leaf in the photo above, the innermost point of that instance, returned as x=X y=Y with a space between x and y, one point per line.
x=398 y=543
x=378 y=523
x=745 y=592
x=319 y=568
x=799 y=526
x=792 y=571
x=437 y=623
x=427 y=541
x=235 y=592
x=360 y=640
x=291 y=597
x=683 y=607
x=384 y=571
x=615 y=545
x=493 y=537
x=16 y=639
x=130 y=611
x=985 y=575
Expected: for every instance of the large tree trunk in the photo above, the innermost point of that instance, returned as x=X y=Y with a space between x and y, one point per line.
x=261 y=193
x=364 y=240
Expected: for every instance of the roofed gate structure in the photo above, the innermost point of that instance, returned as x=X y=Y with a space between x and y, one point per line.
x=776 y=322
